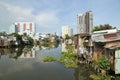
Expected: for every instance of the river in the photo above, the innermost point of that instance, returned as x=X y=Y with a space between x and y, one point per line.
x=27 y=64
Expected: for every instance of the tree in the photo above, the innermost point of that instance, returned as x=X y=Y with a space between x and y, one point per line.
x=3 y=33
x=67 y=36
x=17 y=35
x=103 y=27
x=24 y=34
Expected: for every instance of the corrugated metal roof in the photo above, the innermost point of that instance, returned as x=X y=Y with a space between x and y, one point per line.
x=105 y=31
x=105 y=37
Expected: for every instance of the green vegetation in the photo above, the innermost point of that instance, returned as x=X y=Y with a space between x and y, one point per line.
x=67 y=36
x=117 y=77
x=19 y=37
x=49 y=59
x=31 y=40
x=3 y=33
x=103 y=63
x=102 y=27
x=70 y=49
x=68 y=58
x=95 y=63
x=50 y=43
x=99 y=77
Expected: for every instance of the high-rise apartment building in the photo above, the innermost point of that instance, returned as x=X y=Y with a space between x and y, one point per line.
x=66 y=30
x=85 y=22
x=23 y=27
x=13 y=29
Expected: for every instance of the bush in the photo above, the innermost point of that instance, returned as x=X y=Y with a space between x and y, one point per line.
x=103 y=63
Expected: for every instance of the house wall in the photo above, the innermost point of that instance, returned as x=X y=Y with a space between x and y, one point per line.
x=1 y=42
x=75 y=41
x=98 y=50
x=6 y=43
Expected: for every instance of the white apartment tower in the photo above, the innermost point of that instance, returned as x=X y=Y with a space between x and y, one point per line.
x=13 y=29
x=85 y=22
x=80 y=23
x=25 y=27
x=66 y=30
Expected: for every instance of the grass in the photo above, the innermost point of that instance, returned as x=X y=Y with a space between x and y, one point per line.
x=49 y=59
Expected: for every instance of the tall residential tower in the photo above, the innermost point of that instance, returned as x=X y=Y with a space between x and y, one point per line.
x=23 y=27
x=85 y=22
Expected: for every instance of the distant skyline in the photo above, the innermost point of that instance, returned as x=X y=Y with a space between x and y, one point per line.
x=51 y=15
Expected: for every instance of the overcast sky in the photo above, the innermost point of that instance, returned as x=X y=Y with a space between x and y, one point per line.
x=50 y=15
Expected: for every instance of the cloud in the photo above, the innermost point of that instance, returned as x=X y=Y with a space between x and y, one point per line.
x=46 y=19
x=42 y=19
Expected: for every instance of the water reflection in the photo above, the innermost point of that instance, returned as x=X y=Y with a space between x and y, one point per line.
x=64 y=47
x=12 y=53
x=83 y=72
x=26 y=64
x=27 y=53
x=55 y=45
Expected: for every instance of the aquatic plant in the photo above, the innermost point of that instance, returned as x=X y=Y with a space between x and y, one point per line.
x=49 y=59
x=68 y=58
